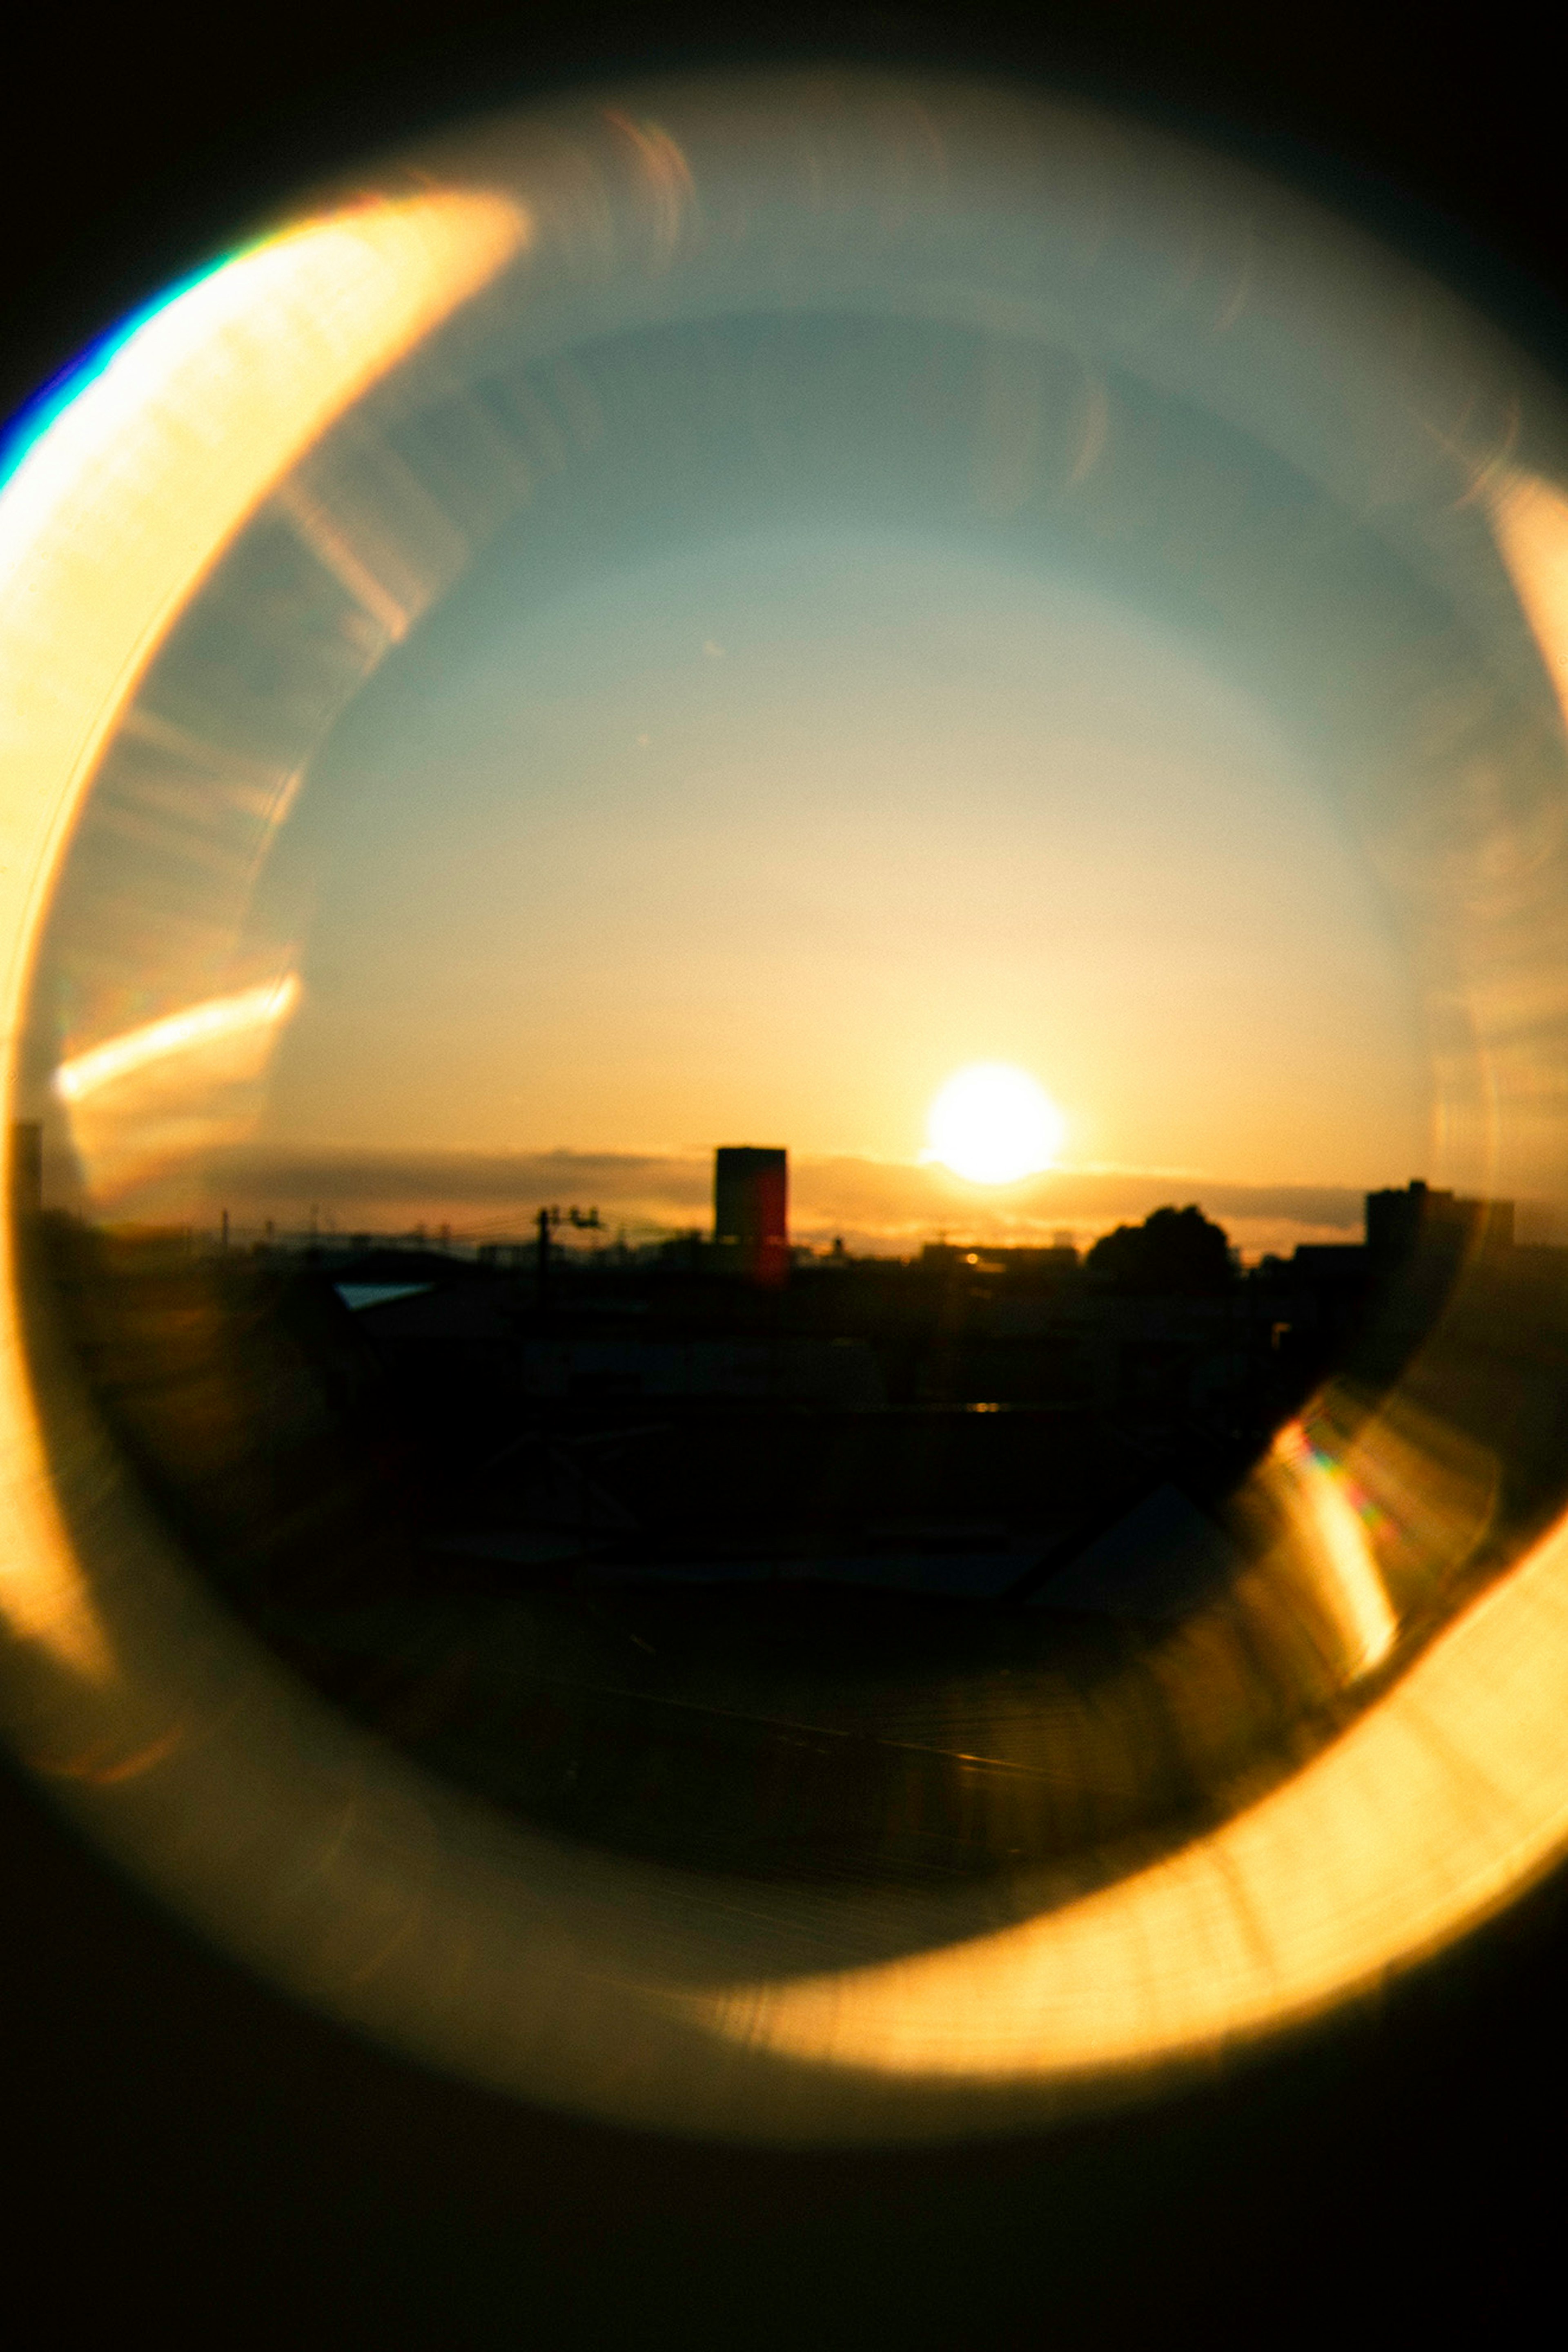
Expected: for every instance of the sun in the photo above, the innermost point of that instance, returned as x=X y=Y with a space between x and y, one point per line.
x=992 y=1124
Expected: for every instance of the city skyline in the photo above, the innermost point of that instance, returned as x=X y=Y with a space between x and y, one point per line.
x=876 y=1208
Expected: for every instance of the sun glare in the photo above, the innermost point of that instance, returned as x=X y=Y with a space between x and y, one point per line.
x=993 y=1124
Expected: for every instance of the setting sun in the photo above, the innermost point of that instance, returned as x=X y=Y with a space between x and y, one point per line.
x=992 y=1124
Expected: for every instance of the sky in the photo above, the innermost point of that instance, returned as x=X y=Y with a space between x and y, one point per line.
x=787 y=720
x=761 y=840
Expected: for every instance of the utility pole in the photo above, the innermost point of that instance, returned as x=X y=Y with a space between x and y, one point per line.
x=545 y=1223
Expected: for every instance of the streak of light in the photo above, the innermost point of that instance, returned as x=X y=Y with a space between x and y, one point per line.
x=118 y=508
x=1447 y=1796
x=333 y=548
x=110 y=519
x=221 y=1017
x=1330 y=1513
x=666 y=173
x=1529 y=518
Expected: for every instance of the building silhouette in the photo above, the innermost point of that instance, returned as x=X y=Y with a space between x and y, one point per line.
x=751 y=1210
x=1400 y=1223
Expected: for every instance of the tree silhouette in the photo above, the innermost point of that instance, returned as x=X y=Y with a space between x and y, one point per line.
x=1175 y=1251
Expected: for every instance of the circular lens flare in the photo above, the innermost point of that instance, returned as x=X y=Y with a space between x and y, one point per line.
x=1228 y=1821
x=992 y=1124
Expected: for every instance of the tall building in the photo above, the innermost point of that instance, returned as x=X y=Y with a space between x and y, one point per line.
x=751 y=1210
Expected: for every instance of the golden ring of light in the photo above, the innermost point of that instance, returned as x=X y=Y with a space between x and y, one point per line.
x=993 y=1124
x=346 y=1875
